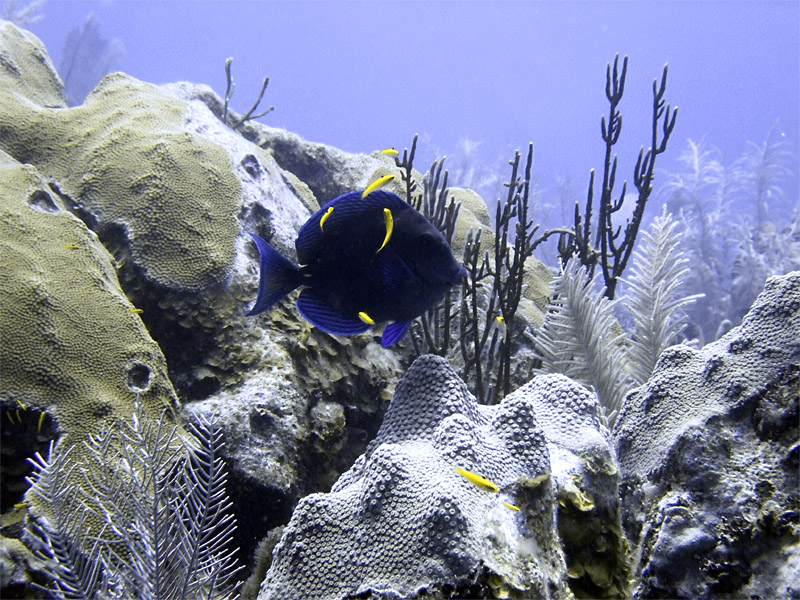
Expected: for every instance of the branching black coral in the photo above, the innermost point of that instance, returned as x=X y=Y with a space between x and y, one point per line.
x=161 y=499
x=609 y=250
x=230 y=86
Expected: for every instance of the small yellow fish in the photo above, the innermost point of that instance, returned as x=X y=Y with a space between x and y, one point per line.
x=136 y=310
x=390 y=152
x=41 y=420
x=501 y=325
x=379 y=182
x=389 y=220
x=71 y=246
x=325 y=218
x=477 y=479
x=510 y=506
x=366 y=318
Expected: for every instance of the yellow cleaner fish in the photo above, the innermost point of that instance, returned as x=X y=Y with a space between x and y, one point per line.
x=325 y=217
x=390 y=152
x=389 y=222
x=477 y=480
x=378 y=183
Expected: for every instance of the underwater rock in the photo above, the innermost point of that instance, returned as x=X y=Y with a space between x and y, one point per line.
x=710 y=457
x=404 y=522
x=326 y=170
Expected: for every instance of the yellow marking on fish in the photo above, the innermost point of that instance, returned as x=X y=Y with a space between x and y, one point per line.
x=8 y=414
x=379 y=182
x=390 y=152
x=41 y=421
x=71 y=246
x=19 y=418
x=21 y=405
x=510 y=506
x=136 y=310
x=325 y=217
x=21 y=505
x=477 y=479
x=366 y=318
x=389 y=220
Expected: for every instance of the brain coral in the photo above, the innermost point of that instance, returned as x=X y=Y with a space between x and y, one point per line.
x=70 y=344
x=127 y=160
x=403 y=521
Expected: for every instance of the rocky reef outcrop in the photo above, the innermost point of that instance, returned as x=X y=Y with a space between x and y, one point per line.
x=709 y=450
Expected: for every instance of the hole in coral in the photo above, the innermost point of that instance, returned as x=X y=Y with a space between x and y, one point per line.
x=139 y=376
x=41 y=200
x=250 y=164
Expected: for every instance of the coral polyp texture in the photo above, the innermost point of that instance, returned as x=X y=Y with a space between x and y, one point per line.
x=709 y=454
x=126 y=159
x=70 y=342
x=411 y=517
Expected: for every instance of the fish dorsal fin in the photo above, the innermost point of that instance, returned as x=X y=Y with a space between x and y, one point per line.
x=395 y=274
x=394 y=332
x=319 y=314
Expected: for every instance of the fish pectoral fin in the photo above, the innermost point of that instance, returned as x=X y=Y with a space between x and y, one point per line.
x=394 y=332
x=395 y=274
x=329 y=320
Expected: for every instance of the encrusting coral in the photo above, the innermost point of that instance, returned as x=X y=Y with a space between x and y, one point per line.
x=453 y=491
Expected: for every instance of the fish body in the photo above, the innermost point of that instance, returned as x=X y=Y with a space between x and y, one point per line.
x=373 y=256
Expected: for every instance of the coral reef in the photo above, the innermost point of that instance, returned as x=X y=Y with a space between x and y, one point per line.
x=72 y=347
x=729 y=216
x=127 y=217
x=190 y=294
x=405 y=521
x=709 y=458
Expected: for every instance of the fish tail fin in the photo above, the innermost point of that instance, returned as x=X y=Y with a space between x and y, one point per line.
x=278 y=276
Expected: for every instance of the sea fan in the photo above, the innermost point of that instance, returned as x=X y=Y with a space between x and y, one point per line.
x=167 y=521
x=87 y=56
x=658 y=271
x=581 y=339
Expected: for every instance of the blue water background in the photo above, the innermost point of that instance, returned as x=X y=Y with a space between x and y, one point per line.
x=478 y=80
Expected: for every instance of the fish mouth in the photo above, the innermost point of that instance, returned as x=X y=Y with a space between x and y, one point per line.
x=457 y=278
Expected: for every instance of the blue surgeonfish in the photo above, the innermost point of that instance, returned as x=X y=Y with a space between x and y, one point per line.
x=376 y=260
